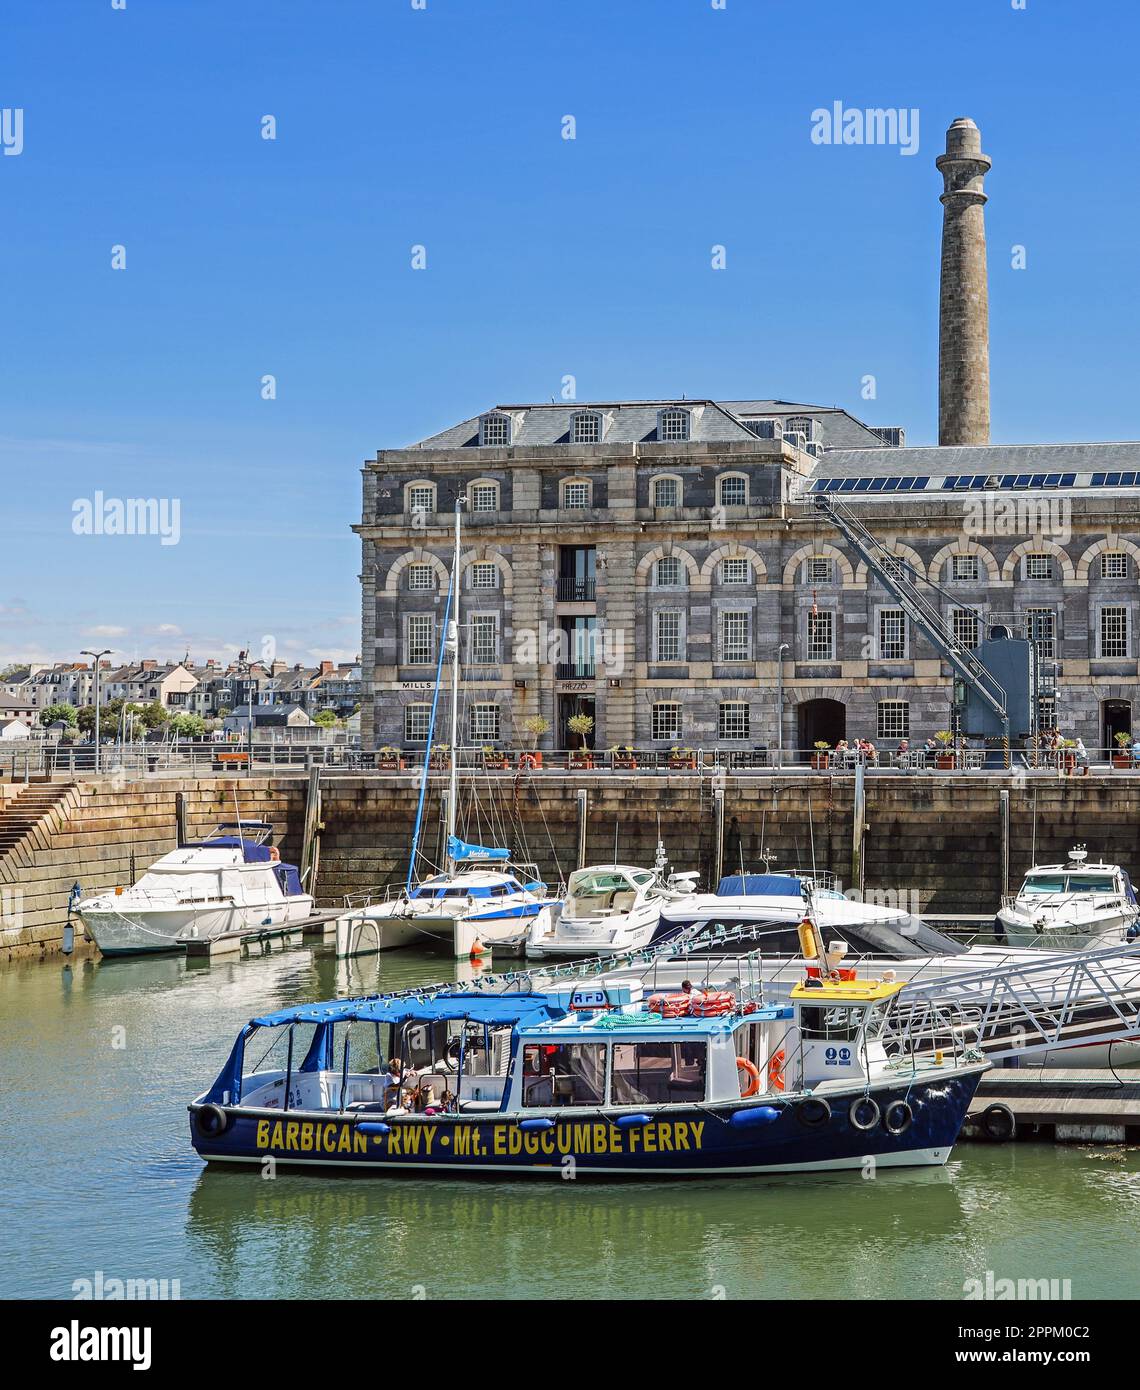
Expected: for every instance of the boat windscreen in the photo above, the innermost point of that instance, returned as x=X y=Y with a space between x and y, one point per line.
x=1044 y=883
x=902 y=938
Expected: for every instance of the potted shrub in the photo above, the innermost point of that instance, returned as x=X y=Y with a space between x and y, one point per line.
x=581 y=726
x=944 y=758
x=494 y=759
x=682 y=758
x=389 y=759
x=1123 y=756
x=1068 y=759
x=821 y=758
x=440 y=756
x=622 y=755
x=536 y=725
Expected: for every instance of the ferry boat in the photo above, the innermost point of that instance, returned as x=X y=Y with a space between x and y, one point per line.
x=589 y=1080
x=1071 y=906
x=232 y=879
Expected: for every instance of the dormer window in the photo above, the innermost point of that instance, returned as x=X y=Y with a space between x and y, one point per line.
x=586 y=427
x=673 y=426
x=576 y=494
x=763 y=428
x=801 y=424
x=495 y=430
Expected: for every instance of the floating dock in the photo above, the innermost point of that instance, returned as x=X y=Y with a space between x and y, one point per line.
x=1063 y=1105
x=319 y=925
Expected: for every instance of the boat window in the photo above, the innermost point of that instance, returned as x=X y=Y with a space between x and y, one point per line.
x=898 y=938
x=1090 y=883
x=835 y=1022
x=564 y=1074
x=642 y=879
x=655 y=1072
x=1044 y=883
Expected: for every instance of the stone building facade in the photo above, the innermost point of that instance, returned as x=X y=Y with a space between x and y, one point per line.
x=659 y=566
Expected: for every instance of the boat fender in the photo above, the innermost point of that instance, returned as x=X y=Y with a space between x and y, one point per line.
x=813 y=1112
x=864 y=1113
x=212 y=1120
x=274 y=854
x=752 y=1071
x=536 y=1124
x=776 y=1070
x=998 y=1123
x=374 y=1127
x=755 y=1115
x=898 y=1118
x=631 y=1121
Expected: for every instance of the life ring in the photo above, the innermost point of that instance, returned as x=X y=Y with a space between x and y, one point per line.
x=898 y=1118
x=864 y=1113
x=527 y=760
x=274 y=853
x=813 y=1112
x=998 y=1123
x=212 y=1120
x=751 y=1070
x=776 y=1070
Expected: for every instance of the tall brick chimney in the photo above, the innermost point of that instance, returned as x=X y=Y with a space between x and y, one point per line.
x=963 y=309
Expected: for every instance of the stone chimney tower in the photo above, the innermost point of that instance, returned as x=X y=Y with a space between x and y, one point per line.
x=963 y=310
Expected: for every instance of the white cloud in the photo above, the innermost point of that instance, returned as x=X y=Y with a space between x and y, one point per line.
x=105 y=630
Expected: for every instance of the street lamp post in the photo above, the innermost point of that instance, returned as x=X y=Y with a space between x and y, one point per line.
x=96 y=658
x=780 y=650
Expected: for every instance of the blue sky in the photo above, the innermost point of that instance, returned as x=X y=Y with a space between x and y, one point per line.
x=442 y=127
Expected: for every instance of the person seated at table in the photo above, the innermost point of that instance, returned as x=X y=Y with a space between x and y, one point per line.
x=902 y=752
x=842 y=747
x=871 y=752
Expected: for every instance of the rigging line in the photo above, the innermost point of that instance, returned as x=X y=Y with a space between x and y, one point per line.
x=431 y=731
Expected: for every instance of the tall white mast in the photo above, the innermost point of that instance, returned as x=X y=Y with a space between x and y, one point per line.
x=453 y=638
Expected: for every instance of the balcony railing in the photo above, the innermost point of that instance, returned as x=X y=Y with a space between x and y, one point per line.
x=575 y=671
x=576 y=591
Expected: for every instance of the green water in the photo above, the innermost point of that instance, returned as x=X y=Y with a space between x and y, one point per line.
x=97 y=1173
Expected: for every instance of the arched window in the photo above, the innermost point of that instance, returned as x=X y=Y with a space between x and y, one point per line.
x=819 y=569
x=673 y=426
x=422 y=578
x=483 y=495
x=735 y=570
x=586 y=427
x=669 y=573
x=495 y=429
x=666 y=491
x=732 y=490
x=419 y=497
x=576 y=493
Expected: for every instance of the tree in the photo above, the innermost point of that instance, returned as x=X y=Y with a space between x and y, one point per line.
x=154 y=715
x=326 y=718
x=86 y=719
x=188 y=726
x=54 y=713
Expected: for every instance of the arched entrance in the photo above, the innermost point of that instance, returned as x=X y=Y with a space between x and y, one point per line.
x=1116 y=718
x=820 y=720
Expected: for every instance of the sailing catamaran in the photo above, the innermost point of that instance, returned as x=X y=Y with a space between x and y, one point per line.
x=481 y=900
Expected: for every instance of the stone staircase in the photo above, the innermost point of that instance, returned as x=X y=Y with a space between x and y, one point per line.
x=20 y=815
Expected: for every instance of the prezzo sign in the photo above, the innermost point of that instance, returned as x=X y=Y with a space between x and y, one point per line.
x=837 y=1056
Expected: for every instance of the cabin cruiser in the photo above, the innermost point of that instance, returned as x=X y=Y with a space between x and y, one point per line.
x=579 y=1081
x=610 y=908
x=231 y=880
x=1070 y=907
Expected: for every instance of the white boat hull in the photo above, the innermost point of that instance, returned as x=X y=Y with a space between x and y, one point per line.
x=1062 y=935
x=137 y=929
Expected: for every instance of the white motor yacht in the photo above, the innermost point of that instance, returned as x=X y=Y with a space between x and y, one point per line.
x=1070 y=907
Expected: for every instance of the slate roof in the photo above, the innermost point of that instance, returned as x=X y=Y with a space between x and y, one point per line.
x=625 y=422
x=989 y=459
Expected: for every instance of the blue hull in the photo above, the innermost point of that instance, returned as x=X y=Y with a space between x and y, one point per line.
x=679 y=1140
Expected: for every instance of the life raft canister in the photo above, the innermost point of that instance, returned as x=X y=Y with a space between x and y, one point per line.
x=776 y=1070
x=752 y=1071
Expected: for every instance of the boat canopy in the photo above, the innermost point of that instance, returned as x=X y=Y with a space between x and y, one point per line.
x=495 y=1010
x=460 y=850
x=760 y=886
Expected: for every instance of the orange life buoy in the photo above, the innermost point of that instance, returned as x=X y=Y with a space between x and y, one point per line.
x=528 y=760
x=776 y=1070
x=274 y=853
x=750 y=1069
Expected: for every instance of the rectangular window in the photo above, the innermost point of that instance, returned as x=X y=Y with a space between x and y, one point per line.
x=818 y=570
x=821 y=636
x=1039 y=567
x=658 y=1073
x=892 y=634
x=419 y=643
x=564 y=1074
x=667 y=635
x=576 y=496
x=1114 y=632
x=484 y=640
x=736 y=635
x=1047 y=712
x=421 y=499
x=965 y=627
x=483 y=723
x=735 y=572
x=485 y=497
x=734 y=491
x=733 y=720
x=1114 y=565
x=484 y=575
x=674 y=427
x=666 y=492
x=417 y=718
x=964 y=568
x=894 y=719
x=1041 y=627
x=666 y=720
x=421 y=577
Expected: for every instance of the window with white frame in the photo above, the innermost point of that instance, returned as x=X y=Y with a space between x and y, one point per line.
x=1047 y=711
x=733 y=720
x=1038 y=566
x=1114 y=564
x=421 y=578
x=965 y=626
x=419 y=639
x=673 y=426
x=1041 y=627
x=483 y=723
x=732 y=490
x=892 y=634
x=669 y=572
x=483 y=640
x=666 y=492
x=417 y=721
x=484 y=575
x=735 y=634
x=735 y=571
x=894 y=719
x=964 y=568
x=894 y=566
x=495 y=429
x=484 y=497
x=801 y=424
x=667 y=635
x=1113 y=631
x=666 y=719
x=821 y=635
x=586 y=428
x=420 y=497
x=818 y=569
x=576 y=494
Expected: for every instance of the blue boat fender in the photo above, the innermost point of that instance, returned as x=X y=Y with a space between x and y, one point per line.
x=374 y=1127
x=631 y=1121
x=537 y=1124
x=755 y=1115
